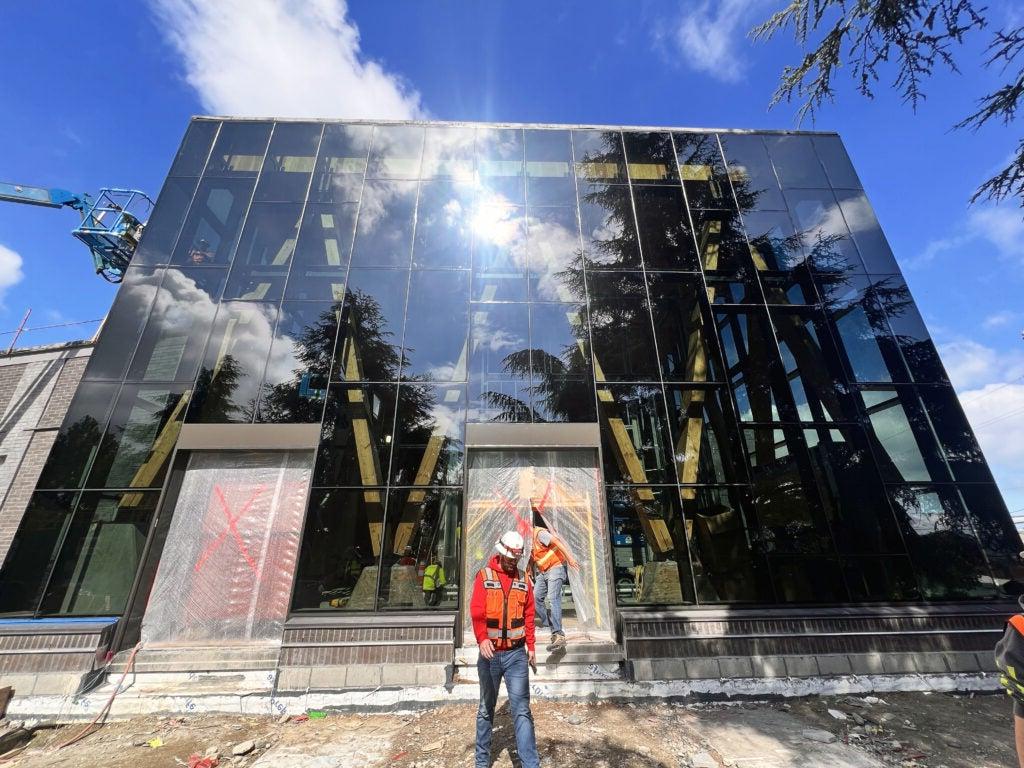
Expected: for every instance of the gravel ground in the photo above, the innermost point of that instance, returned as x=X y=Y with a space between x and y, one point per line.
x=955 y=731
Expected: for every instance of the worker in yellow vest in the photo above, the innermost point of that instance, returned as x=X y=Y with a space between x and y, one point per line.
x=551 y=557
x=434 y=582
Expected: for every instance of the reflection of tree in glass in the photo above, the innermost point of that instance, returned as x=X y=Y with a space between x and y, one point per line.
x=127 y=447
x=214 y=393
x=70 y=453
x=948 y=559
x=301 y=398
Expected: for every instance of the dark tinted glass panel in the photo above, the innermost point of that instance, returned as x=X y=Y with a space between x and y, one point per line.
x=742 y=289
x=322 y=252
x=295 y=383
x=649 y=547
x=420 y=565
x=666 y=240
x=428 y=442
x=176 y=331
x=79 y=436
x=338 y=562
x=444 y=222
x=289 y=162
x=867 y=234
x=774 y=244
x=371 y=337
x=355 y=444
x=873 y=579
x=384 y=227
x=549 y=177
x=795 y=162
x=620 y=323
x=500 y=163
x=124 y=322
x=914 y=342
x=232 y=369
x=945 y=552
x=751 y=172
x=721 y=243
x=33 y=551
x=553 y=250
x=341 y=164
x=140 y=437
x=195 y=148
x=651 y=158
x=437 y=326
x=102 y=552
x=904 y=444
x=499 y=379
x=995 y=529
x=599 y=155
x=634 y=434
x=811 y=366
x=837 y=163
x=163 y=226
x=214 y=223
x=264 y=253
x=824 y=232
x=704 y=175
x=703 y=436
x=808 y=580
x=954 y=434
x=609 y=227
x=864 y=337
x=783 y=492
x=239 y=150
x=725 y=567
x=448 y=153
x=851 y=491
x=396 y=152
x=687 y=354
x=561 y=380
x=751 y=361
x=793 y=288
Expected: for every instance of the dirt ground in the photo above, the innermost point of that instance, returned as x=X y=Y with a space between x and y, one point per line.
x=955 y=731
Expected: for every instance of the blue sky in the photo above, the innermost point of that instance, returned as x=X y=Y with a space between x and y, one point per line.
x=100 y=97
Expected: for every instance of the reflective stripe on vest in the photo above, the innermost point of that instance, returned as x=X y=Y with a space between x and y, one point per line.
x=544 y=556
x=506 y=612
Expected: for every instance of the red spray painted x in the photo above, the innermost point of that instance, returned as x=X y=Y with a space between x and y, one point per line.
x=232 y=528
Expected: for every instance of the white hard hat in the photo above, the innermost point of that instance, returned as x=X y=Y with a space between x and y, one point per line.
x=510 y=544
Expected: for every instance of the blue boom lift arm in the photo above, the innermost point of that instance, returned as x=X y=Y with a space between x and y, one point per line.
x=111 y=226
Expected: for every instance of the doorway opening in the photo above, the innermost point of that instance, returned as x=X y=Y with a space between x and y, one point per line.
x=506 y=489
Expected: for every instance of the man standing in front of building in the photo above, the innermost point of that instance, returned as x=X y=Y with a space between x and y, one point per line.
x=550 y=556
x=502 y=611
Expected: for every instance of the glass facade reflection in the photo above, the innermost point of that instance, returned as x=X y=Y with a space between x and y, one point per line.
x=776 y=426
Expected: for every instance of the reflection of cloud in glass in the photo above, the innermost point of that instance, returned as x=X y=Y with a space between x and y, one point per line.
x=448 y=152
x=553 y=247
x=486 y=335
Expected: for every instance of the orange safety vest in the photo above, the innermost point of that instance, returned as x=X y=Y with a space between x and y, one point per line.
x=506 y=613
x=545 y=557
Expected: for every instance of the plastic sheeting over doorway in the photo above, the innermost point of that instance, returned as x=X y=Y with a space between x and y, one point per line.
x=564 y=487
x=226 y=571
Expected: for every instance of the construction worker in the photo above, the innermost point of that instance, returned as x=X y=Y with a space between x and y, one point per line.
x=502 y=611
x=1009 y=655
x=550 y=556
x=433 y=582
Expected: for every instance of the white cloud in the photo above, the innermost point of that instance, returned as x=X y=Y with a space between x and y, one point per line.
x=998 y=229
x=10 y=269
x=1000 y=319
x=286 y=58
x=708 y=35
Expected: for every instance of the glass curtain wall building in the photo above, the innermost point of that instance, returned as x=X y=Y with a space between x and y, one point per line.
x=776 y=425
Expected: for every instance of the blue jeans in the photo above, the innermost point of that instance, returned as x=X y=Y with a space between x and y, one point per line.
x=550 y=582
x=514 y=667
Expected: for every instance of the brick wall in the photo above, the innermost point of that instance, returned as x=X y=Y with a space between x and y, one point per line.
x=36 y=387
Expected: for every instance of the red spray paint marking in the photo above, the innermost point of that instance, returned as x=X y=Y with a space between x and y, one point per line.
x=522 y=525
x=232 y=528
